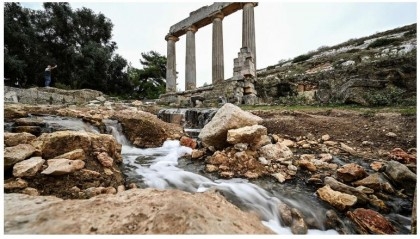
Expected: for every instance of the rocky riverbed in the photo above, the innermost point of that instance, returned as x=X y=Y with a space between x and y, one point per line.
x=365 y=183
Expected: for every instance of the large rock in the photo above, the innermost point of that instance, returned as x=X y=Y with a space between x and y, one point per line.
x=248 y=134
x=61 y=142
x=227 y=117
x=136 y=211
x=15 y=154
x=145 y=130
x=63 y=166
x=78 y=150
x=28 y=168
x=401 y=175
x=341 y=201
x=13 y=139
x=275 y=152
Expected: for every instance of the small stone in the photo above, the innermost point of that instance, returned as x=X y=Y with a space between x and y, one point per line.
x=251 y=175
x=120 y=188
x=197 y=153
x=279 y=176
x=211 y=168
x=325 y=137
x=132 y=185
x=263 y=160
x=226 y=174
x=108 y=171
x=391 y=135
x=241 y=146
x=307 y=165
x=188 y=142
x=377 y=165
x=105 y=160
x=17 y=183
x=28 y=168
x=325 y=157
x=30 y=191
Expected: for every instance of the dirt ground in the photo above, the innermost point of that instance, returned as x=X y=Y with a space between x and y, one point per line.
x=347 y=126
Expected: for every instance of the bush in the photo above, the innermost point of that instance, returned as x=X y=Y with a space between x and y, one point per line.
x=383 y=42
x=302 y=58
x=388 y=97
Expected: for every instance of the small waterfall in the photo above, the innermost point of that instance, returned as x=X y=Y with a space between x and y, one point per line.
x=114 y=128
x=193 y=120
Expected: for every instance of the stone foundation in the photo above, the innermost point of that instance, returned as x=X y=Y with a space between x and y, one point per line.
x=232 y=91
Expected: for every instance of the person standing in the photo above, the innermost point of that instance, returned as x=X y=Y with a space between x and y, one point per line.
x=47 y=75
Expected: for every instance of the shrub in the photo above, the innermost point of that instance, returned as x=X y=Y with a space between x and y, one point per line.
x=302 y=58
x=386 y=97
x=383 y=42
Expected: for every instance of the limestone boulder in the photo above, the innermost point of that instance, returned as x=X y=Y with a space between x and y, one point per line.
x=248 y=134
x=138 y=211
x=341 y=201
x=351 y=172
x=54 y=144
x=145 y=130
x=15 y=154
x=59 y=166
x=13 y=139
x=28 y=168
x=275 y=152
x=227 y=117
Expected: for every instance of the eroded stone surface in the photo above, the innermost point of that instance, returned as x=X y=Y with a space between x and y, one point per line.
x=136 y=211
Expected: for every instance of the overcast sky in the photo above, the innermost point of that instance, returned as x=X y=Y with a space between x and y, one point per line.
x=283 y=29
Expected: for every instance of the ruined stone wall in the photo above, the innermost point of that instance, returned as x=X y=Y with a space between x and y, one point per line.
x=40 y=95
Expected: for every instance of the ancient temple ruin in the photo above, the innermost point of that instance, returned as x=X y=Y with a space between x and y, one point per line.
x=239 y=88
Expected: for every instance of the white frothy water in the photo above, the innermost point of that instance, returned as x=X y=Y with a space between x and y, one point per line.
x=158 y=169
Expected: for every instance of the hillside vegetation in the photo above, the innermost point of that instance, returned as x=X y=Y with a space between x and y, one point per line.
x=378 y=70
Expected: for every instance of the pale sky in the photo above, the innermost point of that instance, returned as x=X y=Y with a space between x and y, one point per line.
x=283 y=29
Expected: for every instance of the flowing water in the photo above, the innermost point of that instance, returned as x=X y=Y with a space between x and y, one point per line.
x=165 y=167
x=159 y=168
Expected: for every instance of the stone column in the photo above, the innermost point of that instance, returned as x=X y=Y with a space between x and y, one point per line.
x=190 y=70
x=248 y=28
x=218 y=72
x=171 y=64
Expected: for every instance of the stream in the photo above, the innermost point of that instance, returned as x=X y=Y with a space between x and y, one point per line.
x=166 y=167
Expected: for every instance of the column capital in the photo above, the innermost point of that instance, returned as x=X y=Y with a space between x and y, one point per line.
x=170 y=37
x=254 y=4
x=218 y=15
x=192 y=28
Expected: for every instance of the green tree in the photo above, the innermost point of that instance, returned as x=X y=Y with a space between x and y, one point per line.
x=78 y=41
x=150 y=81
